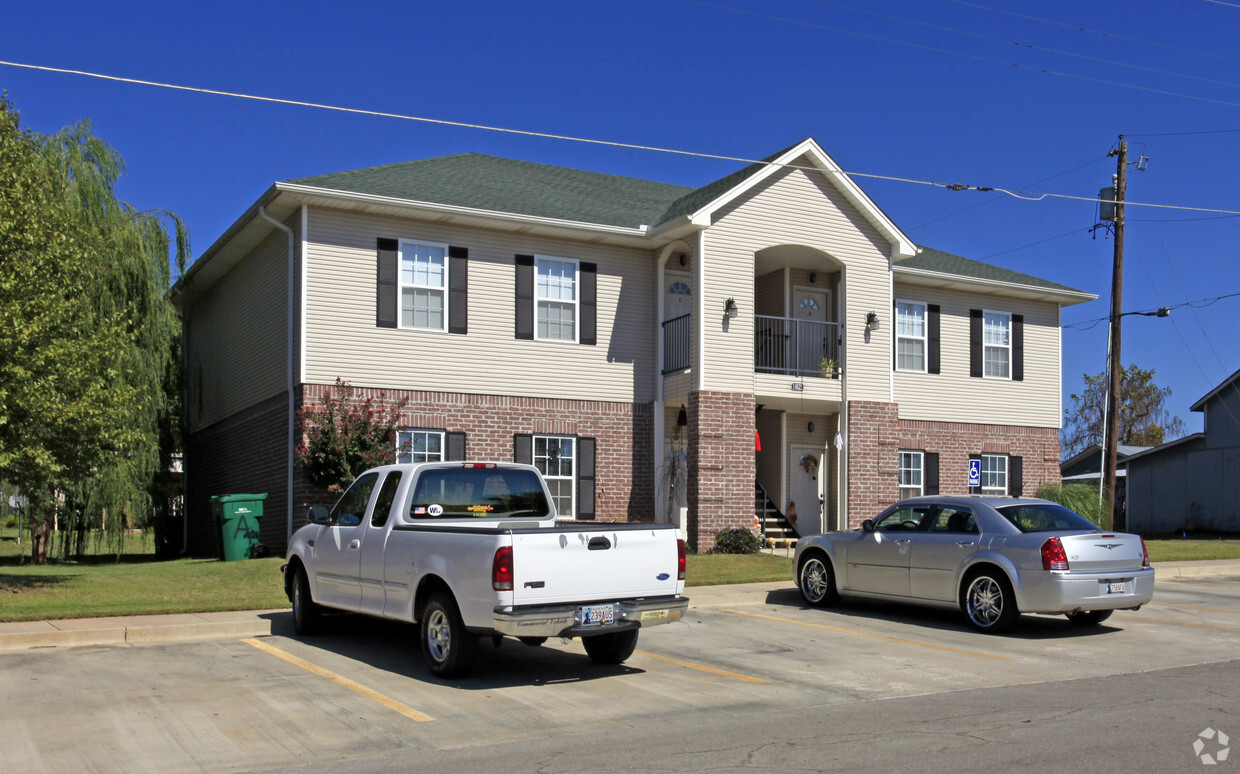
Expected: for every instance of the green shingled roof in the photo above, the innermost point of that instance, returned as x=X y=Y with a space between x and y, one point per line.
x=930 y=259
x=497 y=184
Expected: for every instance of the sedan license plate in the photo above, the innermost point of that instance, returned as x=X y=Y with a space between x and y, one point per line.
x=598 y=615
x=1115 y=587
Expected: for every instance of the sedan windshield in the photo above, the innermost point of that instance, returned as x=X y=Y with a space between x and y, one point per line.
x=1045 y=517
x=453 y=493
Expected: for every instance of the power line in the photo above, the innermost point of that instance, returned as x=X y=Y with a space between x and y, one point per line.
x=1200 y=303
x=1017 y=193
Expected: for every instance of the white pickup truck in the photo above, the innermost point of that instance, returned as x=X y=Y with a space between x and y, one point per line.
x=473 y=549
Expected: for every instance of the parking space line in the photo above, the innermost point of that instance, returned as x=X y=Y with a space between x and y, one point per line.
x=343 y=682
x=704 y=668
x=1178 y=582
x=1187 y=625
x=868 y=634
x=1197 y=607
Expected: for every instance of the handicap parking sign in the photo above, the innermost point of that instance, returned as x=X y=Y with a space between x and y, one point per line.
x=975 y=472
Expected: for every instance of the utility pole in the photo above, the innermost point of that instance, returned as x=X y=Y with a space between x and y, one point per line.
x=1114 y=368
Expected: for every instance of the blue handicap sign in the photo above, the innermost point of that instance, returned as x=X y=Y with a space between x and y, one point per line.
x=975 y=472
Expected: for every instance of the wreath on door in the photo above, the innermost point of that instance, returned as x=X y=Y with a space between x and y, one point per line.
x=809 y=463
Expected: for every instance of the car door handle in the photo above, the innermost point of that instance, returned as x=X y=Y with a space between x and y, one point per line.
x=902 y=541
x=965 y=543
x=310 y=543
x=354 y=545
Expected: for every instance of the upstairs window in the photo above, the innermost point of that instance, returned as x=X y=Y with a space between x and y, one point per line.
x=555 y=294
x=910 y=336
x=997 y=345
x=423 y=285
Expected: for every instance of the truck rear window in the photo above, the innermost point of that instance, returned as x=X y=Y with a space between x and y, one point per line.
x=495 y=493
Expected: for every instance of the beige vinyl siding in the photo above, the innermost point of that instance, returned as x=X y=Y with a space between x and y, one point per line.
x=796 y=207
x=236 y=346
x=343 y=341
x=954 y=396
x=771 y=299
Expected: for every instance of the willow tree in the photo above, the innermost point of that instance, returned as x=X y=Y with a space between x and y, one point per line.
x=87 y=335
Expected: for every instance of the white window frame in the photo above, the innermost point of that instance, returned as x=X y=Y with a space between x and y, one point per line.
x=986 y=346
x=997 y=470
x=917 y=465
x=540 y=462
x=924 y=338
x=402 y=286
x=409 y=432
x=541 y=261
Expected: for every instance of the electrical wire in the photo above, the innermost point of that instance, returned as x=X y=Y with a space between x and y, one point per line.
x=1200 y=303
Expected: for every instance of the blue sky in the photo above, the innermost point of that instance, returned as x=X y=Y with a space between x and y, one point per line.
x=994 y=93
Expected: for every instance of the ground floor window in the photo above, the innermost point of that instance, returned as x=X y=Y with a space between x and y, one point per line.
x=912 y=474
x=995 y=474
x=555 y=458
x=419 y=446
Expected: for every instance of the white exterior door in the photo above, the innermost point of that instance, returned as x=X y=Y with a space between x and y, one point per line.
x=805 y=489
x=809 y=340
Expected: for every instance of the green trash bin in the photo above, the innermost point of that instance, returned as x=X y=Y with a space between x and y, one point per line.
x=236 y=518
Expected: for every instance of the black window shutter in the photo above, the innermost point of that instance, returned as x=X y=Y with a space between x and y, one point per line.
x=978 y=457
x=1018 y=347
x=385 y=290
x=458 y=290
x=975 y=343
x=523 y=449
x=589 y=303
x=585 y=479
x=1016 y=476
x=455 y=451
x=933 y=339
x=525 y=297
x=930 y=475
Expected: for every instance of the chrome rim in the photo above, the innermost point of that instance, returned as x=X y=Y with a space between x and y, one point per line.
x=814 y=583
x=985 y=601
x=438 y=635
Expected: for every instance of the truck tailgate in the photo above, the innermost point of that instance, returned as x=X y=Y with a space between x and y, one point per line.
x=582 y=563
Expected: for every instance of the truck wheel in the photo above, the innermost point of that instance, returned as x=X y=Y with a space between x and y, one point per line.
x=307 y=616
x=612 y=648
x=449 y=649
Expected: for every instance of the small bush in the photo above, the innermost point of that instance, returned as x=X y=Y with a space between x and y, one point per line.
x=1081 y=498
x=737 y=540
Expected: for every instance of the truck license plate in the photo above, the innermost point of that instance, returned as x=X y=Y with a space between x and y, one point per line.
x=1117 y=587
x=598 y=615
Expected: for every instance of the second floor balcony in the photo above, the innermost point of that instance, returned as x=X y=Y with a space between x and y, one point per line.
x=782 y=345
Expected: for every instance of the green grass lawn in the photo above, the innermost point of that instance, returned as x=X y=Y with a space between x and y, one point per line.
x=136 y=584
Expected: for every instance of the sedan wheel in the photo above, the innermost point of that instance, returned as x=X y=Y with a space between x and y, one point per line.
x=817 y=582
x=1089 y=617
x=989 y=603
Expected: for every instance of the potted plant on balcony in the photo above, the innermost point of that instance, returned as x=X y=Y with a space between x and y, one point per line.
x=827 y=367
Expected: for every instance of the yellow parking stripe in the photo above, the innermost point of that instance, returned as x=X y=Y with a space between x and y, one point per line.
x=343 y=682
x=868 y=634
x=704 y=668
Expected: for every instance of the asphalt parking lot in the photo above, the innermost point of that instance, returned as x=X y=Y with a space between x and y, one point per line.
x=271 y=701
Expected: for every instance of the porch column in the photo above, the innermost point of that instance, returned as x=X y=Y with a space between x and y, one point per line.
x=722 y=466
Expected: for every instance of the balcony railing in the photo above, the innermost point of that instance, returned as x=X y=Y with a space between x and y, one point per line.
x=786 y=345
x=676 y=338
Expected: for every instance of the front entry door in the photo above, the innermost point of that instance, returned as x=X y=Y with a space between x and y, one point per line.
x=805 y=488
x=810 y=346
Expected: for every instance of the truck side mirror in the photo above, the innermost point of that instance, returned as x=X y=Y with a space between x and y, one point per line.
x=319 y=514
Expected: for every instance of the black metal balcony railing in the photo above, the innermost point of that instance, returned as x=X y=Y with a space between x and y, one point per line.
x=676 y=341
x=786 y=345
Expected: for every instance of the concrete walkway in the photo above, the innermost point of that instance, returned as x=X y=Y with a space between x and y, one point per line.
x=147 y=629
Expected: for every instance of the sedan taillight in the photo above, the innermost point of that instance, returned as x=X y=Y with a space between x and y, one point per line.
x=1145 y=554
x=1053 y=555
x=501 y=569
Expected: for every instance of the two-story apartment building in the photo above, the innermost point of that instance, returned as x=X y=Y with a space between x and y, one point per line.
x=660 y=352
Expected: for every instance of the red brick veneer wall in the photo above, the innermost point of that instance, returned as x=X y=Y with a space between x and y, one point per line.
x=722 y=465
x=876 y=434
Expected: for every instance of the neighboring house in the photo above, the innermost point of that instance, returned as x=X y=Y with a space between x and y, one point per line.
x=1086 y=468
x=600 y=326
x=1193 y=483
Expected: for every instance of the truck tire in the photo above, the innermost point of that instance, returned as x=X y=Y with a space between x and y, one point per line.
x=448 y=648
x=613 y=648
x=307 y=615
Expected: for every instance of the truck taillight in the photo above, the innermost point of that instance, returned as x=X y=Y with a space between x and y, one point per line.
x=478 y=466
x=1053 y=555
x=501 y=569
x=680 y=559
x=1145 y=554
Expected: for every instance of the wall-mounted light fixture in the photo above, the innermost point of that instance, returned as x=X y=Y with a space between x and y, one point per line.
x=810 y=427
x=813 y=277
x=730 y=309
x=871 y=321
x=682 y=417
x=682 y=259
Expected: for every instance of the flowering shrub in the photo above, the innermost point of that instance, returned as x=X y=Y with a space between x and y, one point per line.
x=343 y=436
x=737 y=540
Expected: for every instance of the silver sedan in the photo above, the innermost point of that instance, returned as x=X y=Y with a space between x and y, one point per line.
x=991 y=557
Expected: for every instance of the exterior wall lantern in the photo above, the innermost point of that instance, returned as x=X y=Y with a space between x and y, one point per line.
x=730 y=309
x=871 y=321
